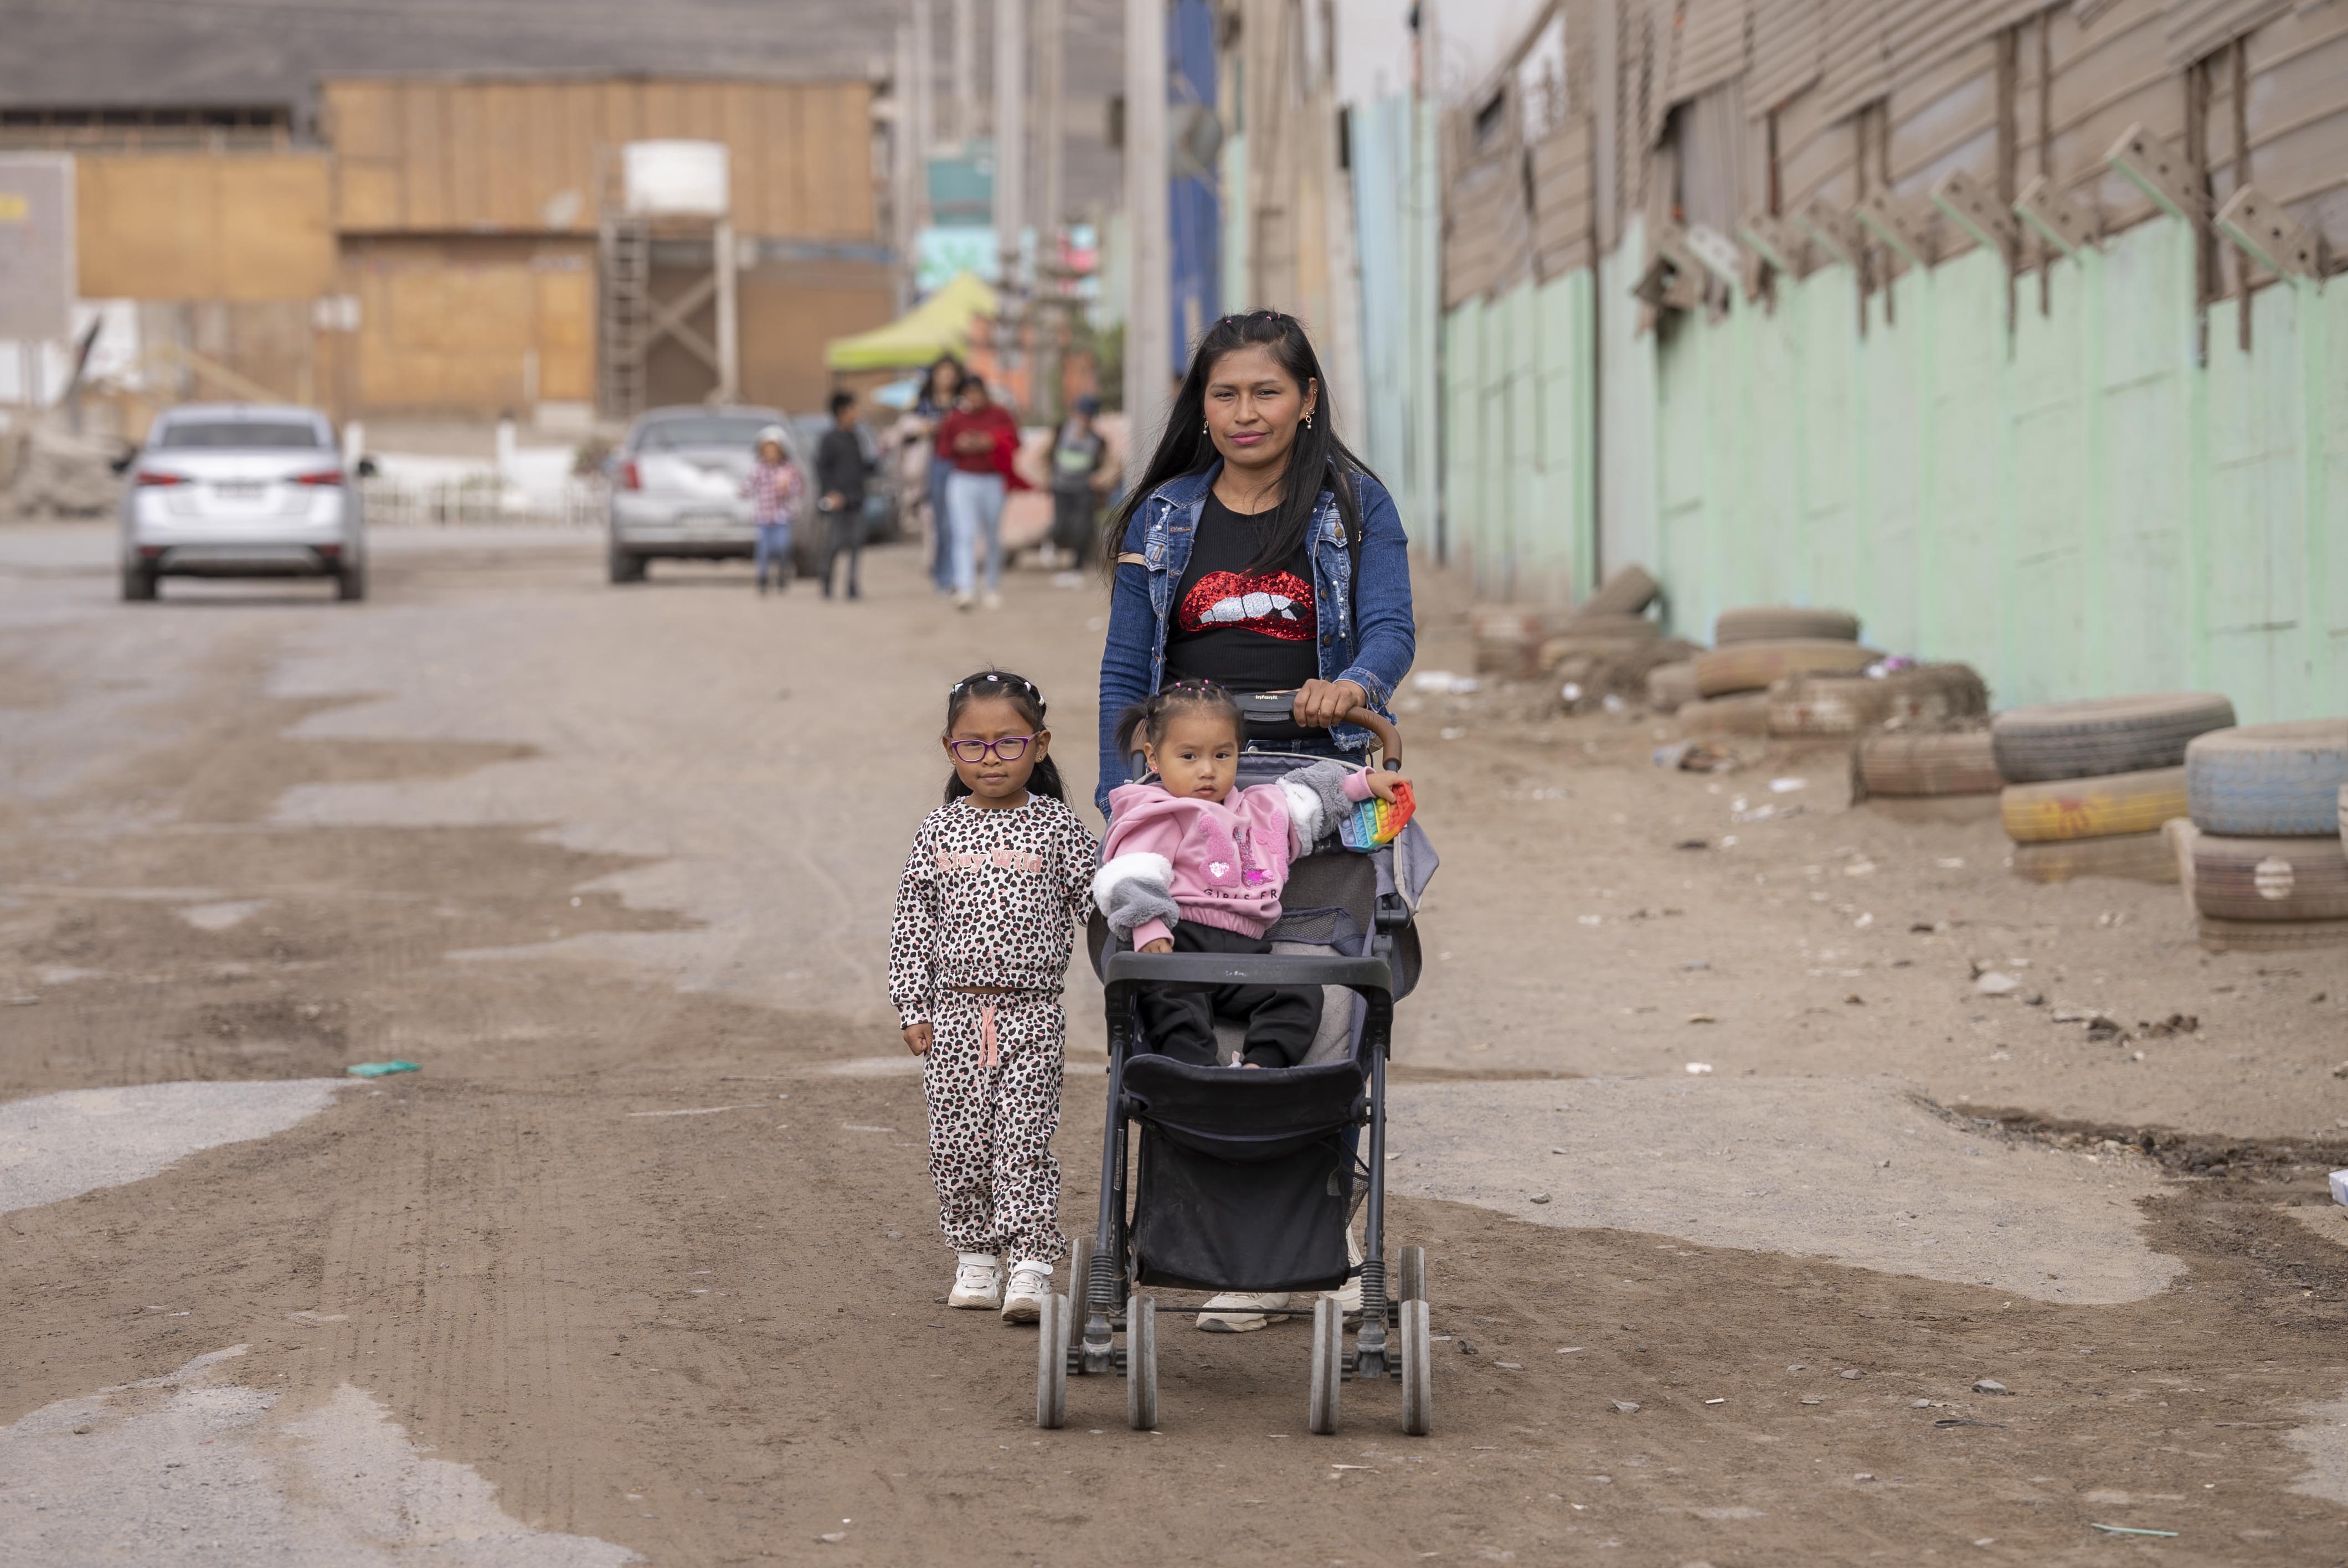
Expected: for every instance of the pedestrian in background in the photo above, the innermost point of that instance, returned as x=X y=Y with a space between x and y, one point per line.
x=936 y=401
x=1080 y=454
x=839 y=471
x=979 y=438
x=776 y=489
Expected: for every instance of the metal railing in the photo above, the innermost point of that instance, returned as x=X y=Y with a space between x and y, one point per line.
x=481 y=500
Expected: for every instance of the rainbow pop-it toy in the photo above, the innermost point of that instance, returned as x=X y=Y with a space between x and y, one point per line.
x=1375 y=821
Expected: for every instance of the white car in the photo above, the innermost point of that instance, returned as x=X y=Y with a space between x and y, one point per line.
x=677 y=488
x=241 y=489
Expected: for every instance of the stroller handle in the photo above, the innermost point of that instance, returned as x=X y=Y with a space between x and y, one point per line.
x=1278 y=707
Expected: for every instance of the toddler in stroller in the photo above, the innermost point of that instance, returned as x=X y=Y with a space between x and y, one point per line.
x=1194 y=865
x=1248 y=1181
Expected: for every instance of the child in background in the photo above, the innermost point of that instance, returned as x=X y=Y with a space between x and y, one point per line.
x=986 y=913
x=1195 y=867
x=775 y=488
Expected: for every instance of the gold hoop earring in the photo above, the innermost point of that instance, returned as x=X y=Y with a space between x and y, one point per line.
x=1308 y=422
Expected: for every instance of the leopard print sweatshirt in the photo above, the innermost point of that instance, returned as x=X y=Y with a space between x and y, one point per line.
x=989 y=898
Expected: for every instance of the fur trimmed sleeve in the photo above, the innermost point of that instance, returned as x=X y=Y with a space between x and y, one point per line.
x=1135 y=889
x=1319 y=797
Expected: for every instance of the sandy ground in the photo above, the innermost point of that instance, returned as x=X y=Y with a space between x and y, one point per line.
x=644 y=1262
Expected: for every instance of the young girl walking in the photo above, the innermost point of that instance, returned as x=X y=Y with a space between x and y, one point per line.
x=775 y=488
x=999 y=877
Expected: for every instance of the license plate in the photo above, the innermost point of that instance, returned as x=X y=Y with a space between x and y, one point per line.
x=708 y=522
x=237 y=489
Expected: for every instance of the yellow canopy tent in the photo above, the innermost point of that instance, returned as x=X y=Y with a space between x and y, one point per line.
x=939 y=324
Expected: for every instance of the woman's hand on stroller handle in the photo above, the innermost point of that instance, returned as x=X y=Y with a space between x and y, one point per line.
x=1322 y=704
x=919 y=1037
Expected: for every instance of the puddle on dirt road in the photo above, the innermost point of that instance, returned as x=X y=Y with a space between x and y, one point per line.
x=1859 y=1171
x=191 y=1467
x=57 y=1146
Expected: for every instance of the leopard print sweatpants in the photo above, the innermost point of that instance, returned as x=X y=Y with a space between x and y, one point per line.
x=992 y=1080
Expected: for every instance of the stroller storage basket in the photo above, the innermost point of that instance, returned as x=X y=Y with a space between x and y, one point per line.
x=1244 y=1179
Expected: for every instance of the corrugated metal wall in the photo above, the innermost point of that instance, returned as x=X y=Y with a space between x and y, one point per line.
x=2091 y=511
x=2116 y=472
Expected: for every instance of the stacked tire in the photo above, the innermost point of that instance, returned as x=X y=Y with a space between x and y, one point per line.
x=2268 y=852
x=1753 y=649
x=1951 y=776
x=2089 y=784
x=1838 y=707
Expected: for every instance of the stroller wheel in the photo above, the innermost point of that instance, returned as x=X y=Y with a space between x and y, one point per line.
x=1141 y=1362
x=1417 y=1369
x=1052 y=1364
x=1413 y=1281
x=1328 y=1364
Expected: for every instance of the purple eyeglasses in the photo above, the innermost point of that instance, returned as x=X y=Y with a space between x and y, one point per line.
x=1010 y=748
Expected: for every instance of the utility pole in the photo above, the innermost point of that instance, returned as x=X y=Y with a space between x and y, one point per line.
x=1148 y=350
x=966 y=70
x=1010 y=135
x=905 y=165
x=924 y=101
x=1051 y=95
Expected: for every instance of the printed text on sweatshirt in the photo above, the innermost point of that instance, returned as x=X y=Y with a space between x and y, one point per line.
x=989 y=898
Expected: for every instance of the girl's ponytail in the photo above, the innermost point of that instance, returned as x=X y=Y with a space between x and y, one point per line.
x=1145 y=720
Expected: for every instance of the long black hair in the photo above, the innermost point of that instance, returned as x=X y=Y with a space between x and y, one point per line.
x=929 y=379
x=1147 y=719
x=1318 y=462
x=1021 y=693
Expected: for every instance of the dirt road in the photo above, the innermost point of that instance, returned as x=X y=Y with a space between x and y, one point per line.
x=644 y=1260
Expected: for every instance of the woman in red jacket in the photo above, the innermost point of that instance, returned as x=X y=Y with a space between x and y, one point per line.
x=979 y=438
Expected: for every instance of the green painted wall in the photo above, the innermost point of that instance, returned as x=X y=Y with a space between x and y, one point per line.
x=1518 y=376
x=2076 y=506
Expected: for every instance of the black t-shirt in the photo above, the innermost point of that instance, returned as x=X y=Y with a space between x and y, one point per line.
x=1247 y=631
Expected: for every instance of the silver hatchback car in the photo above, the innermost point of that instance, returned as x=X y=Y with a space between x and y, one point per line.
x=677 y=488
x=241 y=489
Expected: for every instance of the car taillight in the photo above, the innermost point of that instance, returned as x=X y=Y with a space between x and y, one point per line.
x=629 y=478
x=149 y=476
x=323 y=477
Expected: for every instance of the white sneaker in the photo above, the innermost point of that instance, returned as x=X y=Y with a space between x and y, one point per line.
x=978 y=1281
x=993 y=601
x=964 y=600
x=1237 y=1312
x=1023 y=1300
x=1348 y=1295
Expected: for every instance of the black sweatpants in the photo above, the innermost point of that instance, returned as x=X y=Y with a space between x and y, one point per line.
x=846 y=538
x=1280 y=1020
x=1074 y=513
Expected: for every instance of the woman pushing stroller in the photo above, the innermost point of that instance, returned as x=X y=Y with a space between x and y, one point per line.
x=1193 y=866
x=1259 y=553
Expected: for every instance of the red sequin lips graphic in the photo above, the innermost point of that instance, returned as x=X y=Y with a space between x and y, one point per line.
x=1275 y=603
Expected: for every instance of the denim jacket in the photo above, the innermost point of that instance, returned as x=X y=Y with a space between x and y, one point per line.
x=1367 y=634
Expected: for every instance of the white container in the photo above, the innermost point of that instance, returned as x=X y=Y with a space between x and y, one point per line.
x=675 y=178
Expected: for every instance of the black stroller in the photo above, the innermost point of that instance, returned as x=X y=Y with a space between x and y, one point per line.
x=1248 y=1181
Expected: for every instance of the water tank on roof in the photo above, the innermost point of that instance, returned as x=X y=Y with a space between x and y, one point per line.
x=674 y=178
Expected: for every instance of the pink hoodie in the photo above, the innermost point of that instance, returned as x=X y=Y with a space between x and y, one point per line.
x=1223 y=862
